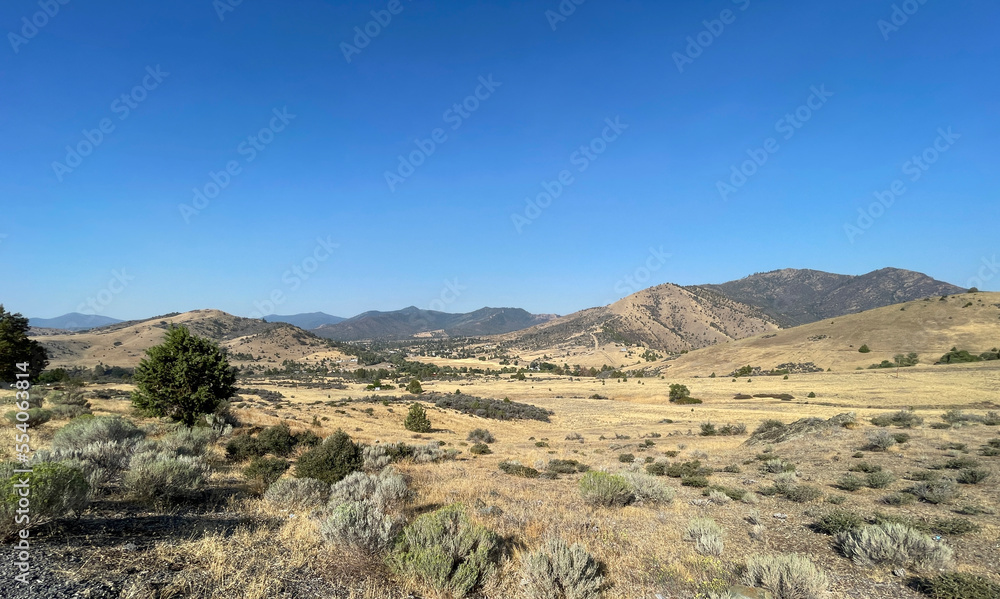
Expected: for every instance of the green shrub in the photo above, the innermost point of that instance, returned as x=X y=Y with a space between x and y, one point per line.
x=706 y=536
x=733 y=429
x=416 y=419
x=961 y=463
x=557 y=570
x=902 y=419
x=708 y=430
x=892 y=544
x=277 y=440
x=480 y=449
x=515 y=468
x=626 y=458
x=330 y=461
x=162 y=478
x=899 y=499
x=936 y=491
x=68 y=412
x=81 y=432
x=35 y=416
x=188 y=441
x=656 y=468
x=958 y=585
x=866 y=467
x=244 y=447
x=300 y=493
x=262 y=472
x=802 y=493
x=864 y=349
x=683 y=469
x=601 y=488
x=566 y=466
x=686 y=401
x=879 y=480
x=698 y=482
x=838 y=521
x=811 y=395
x=972 y=476
x=678 y=391
x=56 y=490
x=445 y=551
x=480 y=435
x=786 y=576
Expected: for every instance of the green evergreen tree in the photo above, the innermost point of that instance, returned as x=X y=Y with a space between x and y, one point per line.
x=183 y=378
x=16 y=348
x=416 y=420
x=414 y=387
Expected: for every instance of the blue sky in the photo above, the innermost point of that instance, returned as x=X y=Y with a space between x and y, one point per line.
x=696 y=89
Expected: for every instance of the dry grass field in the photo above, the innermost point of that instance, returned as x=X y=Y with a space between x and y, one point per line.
x=234 y=544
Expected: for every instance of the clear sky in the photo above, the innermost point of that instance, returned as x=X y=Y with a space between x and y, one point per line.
x=394 y=167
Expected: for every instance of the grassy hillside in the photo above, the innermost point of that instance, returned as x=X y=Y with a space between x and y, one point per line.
x=928 y=328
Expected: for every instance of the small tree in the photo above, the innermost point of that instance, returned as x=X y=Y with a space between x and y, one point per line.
x=678 y=391
x=416 y=420
x=414 y=387
x=864 y=349
x=16 y=348
x=183 y=378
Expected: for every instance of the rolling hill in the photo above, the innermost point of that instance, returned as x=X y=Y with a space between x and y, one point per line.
x=929 y=328
x=124 y=344
x=792 y=296
x=666 y=317
x=412 y=322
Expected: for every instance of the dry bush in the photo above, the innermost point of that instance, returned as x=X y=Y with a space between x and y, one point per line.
x=602 y=488
x=786 y=576
x=163 y=478
x=301 y=493
x=706 y=535
x=648 y=489
x=936 y=491
x=81 y=432
x=480 y=435
x=386 y=490
x=892 y=544
x=557 y=570
x=362 y=525
x=56 y=491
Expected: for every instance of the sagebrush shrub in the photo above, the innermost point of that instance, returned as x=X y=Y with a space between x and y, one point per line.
x=786 y=576
x=81 y=432
x=557 y=570
x=892 y=544
x=972 y=476
x=480 y=449
x=361 y=525
x=446 y=551
x=602 y=488
x=56 y=490
x=480 y=435
x=879 y=480
x=155 y=477
x=385 y=490
x=902 y=418
x=566 y=466
x=332 y=460
x=880 y=440
x=188 y=441
x=647 y=489
x=301 y=493
x=515 y=468
x=802 y=493
x=36 y=417
x=706 y=536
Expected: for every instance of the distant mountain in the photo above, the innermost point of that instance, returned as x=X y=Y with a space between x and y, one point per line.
x=793 y=297
x=412 y=321
x=74 y=321
x=307 y=321
x=666 y=317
